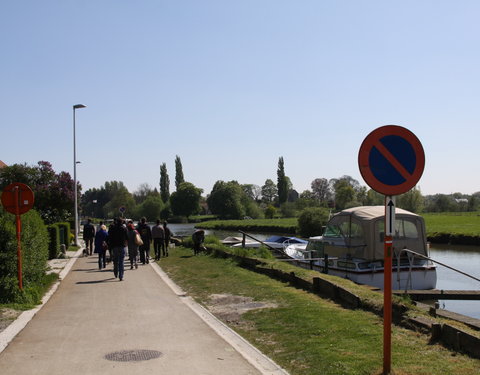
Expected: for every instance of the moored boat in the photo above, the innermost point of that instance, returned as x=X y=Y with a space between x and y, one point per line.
x=275 y=242
x=352 y=247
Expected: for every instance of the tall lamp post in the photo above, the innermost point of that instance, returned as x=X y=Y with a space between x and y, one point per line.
x=75 y=210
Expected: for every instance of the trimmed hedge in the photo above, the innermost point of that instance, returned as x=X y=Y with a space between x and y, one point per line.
x=34 y=244
x=54 y=241
x=65 y=234
x=453 y=239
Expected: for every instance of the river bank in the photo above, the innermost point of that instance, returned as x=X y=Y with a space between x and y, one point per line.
x=455 y=229
x=304 y=333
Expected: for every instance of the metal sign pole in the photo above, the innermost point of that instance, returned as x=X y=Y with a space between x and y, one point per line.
x=387 y=283
x=391 y=161
x=19 y=231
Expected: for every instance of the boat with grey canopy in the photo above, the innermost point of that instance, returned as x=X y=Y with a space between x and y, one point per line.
x=352 y=246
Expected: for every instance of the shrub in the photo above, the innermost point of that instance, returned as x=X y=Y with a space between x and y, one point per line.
x=65 y=234
x=34 y=257
x=270 y=212
x=54 y=240
x=311 y=221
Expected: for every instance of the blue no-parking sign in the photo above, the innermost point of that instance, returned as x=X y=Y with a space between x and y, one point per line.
x=391 y=160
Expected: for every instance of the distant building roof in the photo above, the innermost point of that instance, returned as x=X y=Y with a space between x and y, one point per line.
x=2 y=164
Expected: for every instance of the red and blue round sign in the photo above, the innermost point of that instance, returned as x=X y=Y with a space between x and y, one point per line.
x=391 y=160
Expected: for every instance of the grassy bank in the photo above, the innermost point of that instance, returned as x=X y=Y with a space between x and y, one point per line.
x=287 y=225
x=306 y=334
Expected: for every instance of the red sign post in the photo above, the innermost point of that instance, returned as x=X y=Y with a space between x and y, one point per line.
x=391 y=161
x=18 y=198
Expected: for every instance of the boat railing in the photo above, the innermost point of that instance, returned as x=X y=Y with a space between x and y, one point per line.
x=411 y=258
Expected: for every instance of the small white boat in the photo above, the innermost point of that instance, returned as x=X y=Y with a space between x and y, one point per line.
x=353 y=243
x=275 y=242
x=230 y=241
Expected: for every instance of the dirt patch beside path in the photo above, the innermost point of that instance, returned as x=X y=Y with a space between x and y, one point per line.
x=230 y=308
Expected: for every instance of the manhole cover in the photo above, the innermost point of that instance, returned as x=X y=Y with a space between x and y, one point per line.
x=133 y=355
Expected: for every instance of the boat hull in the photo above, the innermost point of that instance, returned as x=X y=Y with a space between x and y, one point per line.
x=416 y=278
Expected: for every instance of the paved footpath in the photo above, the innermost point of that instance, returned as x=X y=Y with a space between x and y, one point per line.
x=96 y=324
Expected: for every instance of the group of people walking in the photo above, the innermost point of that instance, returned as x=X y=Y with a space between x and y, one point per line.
x=122 y=237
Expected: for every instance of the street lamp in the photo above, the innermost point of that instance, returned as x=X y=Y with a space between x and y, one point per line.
x=75 y=210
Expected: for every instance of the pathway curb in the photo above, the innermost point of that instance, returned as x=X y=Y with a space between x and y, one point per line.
x=9 y=333
x=254 y=356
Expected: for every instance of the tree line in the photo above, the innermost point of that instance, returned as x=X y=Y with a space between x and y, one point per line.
x=54 y=195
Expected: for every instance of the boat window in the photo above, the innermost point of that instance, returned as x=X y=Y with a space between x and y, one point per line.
x=315 y=245
x=332 y=231
x=404 y=229
x=348 y=265
x=355 y=230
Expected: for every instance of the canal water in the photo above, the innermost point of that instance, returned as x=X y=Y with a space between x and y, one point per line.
x=463 y=258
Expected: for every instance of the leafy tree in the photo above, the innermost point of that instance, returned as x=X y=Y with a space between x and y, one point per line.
x=178 y=172
x=269 y=191
x=151 y=208
x=54 y=193
x=311 y=221
x=440 y=203
x=306 y=199
x=473 y=203
x=321 y=189
x=93 y=201
x=411 y=201
x=186 y=200
x=346 y=189
x=164 y=183
x=374 y=199
x=362 y=196
x=118 y=196
x=142 y=192
x=282 y=182
x=344 y=194
x=225 y=200
x=252 y=191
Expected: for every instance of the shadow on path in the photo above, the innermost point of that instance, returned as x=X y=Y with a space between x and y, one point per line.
x=109 y=280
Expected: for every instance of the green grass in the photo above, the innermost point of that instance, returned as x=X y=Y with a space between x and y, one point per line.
x=308 y=335
x=32 y=295
x=466 y=223
x=455 y=223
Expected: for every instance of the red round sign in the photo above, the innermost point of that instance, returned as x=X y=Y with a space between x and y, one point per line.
x=391 y=160
x=17 y=198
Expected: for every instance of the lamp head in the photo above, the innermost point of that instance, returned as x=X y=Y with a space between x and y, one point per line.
x=77 y=106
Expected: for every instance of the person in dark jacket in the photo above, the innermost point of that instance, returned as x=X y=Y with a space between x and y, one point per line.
x=88 y=236
x=158 y=235
x=101 y=240
x=146 y=234
x=117 y=240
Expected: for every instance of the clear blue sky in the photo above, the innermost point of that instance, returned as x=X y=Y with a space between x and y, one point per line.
x=230 y=86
